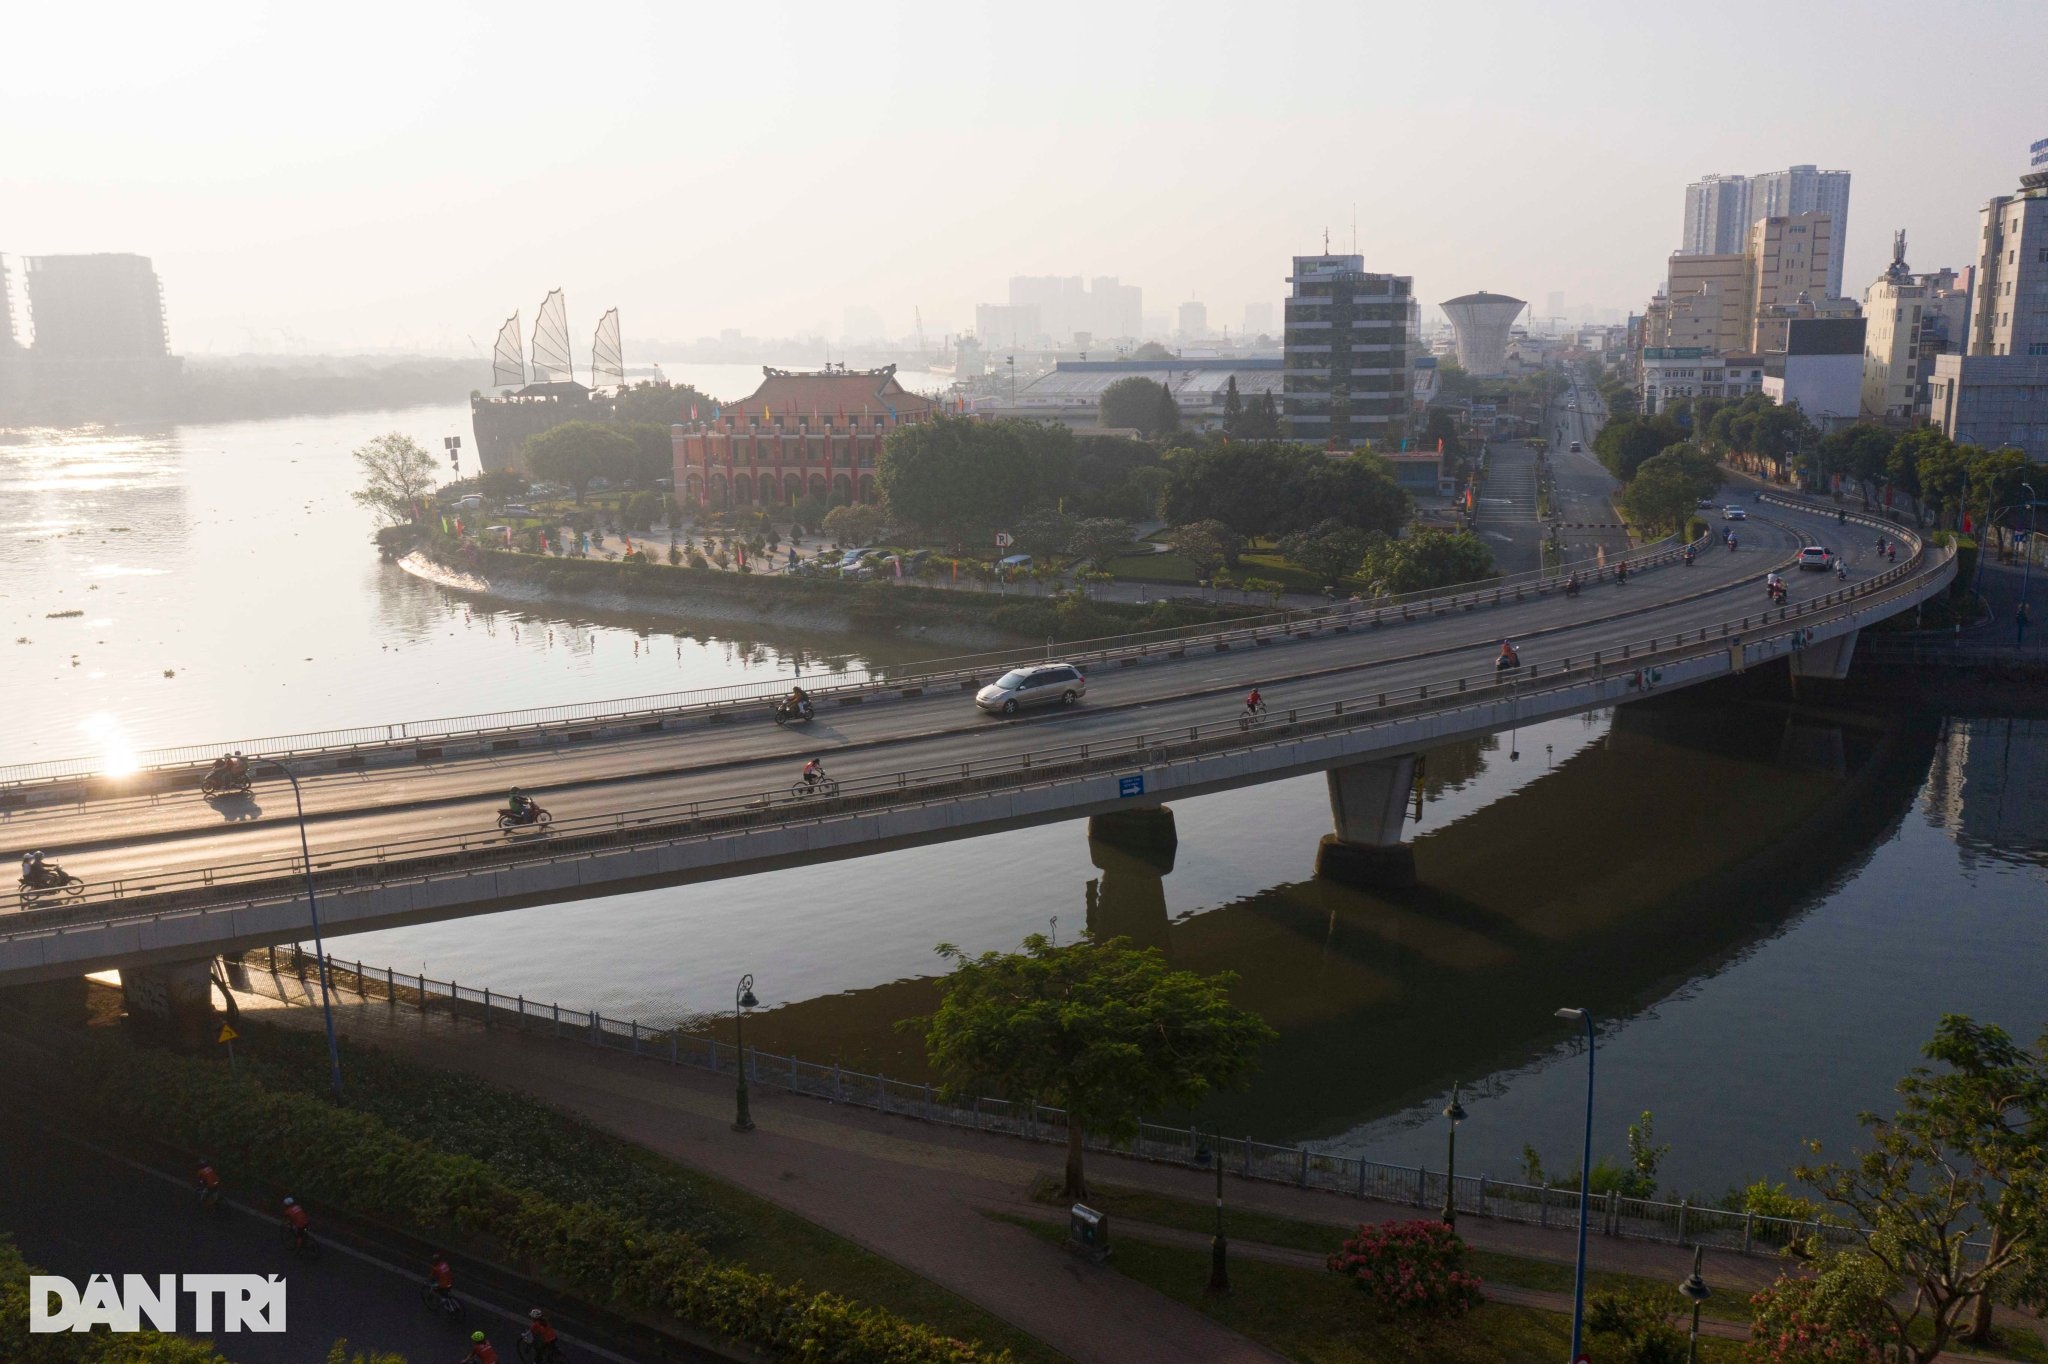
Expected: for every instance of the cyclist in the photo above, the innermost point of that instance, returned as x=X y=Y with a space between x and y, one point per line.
x=1255 y=704
x=480 y=1350
x=295 y=1218
x=814 y=772
x=546 y=1341
x=209 y=1183
x=441 y=1277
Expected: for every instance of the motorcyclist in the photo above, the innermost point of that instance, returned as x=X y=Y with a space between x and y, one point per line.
x=295 y=1218
x=1509 y=658
x=1891 y=554
x=1841 y=516
x=546 y=1340
x=223 y=768
x=1731 y=542
x=209 y=1182
x=1772 y=582
x=1621 y=571
x=1841 y=570
x=1571 y=586
x=238 y=766
x=1688 y=554
x=480 y=1350
x=35 y=874
x=799 y=703
x=519 y=805
x=441 y=1277
x=814 y=772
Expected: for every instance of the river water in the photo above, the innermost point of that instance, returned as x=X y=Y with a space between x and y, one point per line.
x=1768 y=908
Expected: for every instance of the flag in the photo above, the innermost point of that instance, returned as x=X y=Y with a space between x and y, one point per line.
x=693 y=411
x=1439 y=444
x=1967 y=525
x=767 y=413
x=892 y=414
x=714 y=411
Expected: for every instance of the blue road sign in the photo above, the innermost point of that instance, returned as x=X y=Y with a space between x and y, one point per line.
x=1127 y=787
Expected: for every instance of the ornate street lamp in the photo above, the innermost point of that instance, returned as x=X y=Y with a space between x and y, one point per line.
x=1696 y=1292
x=1455 y=1114
x=742 y=1000
x=1584 y=1016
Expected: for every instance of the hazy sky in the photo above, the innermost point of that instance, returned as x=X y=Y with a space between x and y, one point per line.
x=375 y=175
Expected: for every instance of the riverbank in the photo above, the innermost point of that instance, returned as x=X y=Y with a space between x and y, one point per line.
x=962 y=618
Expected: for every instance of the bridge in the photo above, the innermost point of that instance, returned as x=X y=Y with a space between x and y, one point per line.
x=680 y=790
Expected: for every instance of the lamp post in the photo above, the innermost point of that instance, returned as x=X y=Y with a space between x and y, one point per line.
x=1219 y=1248
x=742 y=1000
x=2019 y=617
x=1585 y=1185
x=313 y=913
x=1455 y=1114
x=1696 y=1292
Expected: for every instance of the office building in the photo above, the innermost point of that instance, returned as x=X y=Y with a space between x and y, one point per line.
x=8 y=345
x=1347 y=337
x=1996 y=392
x=997 y=326
x=1791 y=258
x=1194 y=321
x=1801 y=190
x=108 y=306
x=1716 y=216
x=1061 y=308
x=1820 y=368
x=1912 y=319
x=1481 y=323
x=1707 y=302
x=1669 y=373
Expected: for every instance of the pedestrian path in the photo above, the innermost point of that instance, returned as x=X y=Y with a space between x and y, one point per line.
x=1504 y=514
x=922 y=1195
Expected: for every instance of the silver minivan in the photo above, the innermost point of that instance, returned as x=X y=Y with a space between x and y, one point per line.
x=1042 y=684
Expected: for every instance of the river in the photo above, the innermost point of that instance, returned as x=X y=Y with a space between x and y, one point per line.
x=1768 y=908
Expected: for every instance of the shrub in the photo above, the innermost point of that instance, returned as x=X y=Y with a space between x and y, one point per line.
x=1837 y=1316
x=1638 y=1325
x=1410 y=1267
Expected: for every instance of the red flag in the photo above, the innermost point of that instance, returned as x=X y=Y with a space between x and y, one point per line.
x=1967 y=526
x=1439 y=444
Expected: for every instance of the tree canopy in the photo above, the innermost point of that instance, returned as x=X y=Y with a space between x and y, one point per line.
x=1329 y=549
x=1425 y=560
x=961 y=476
x=397 y=474
x=1272 y=488
x=1103 y=1029
x=577 y=452
x=1668 y=486
x=1140 y=404
x=1625 y=443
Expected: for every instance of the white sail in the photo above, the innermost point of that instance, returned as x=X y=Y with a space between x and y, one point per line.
x=551 y=362
x=607 y=357
x=508 y=356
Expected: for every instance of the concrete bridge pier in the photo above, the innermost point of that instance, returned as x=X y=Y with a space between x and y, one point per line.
x=176 y=997
x=1129 y=899
x=1827 y=658
x=1146 y=833
x=1369 y=804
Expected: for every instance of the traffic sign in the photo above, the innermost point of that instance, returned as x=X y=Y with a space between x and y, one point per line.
x=1002 y=539
x=1134 y=785
x=227 y=1034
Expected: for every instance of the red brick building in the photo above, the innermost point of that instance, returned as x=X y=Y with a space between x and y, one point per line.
x=798 y=434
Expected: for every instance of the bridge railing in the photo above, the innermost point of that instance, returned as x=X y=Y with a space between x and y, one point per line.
x=432 y=856
x=291 y=975
x=932 y=674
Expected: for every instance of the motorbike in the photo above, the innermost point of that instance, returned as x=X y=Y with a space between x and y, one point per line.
x=214 y=783
x=797 y=714
x=1841 y=571
x=1507 y=663
x=534 y=818
x=1571 y=589
x=56 y=881
x=1776 y=592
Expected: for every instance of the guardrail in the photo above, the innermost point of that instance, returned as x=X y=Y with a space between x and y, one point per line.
x=933 y=673
x=425 y=857
x=283 y=974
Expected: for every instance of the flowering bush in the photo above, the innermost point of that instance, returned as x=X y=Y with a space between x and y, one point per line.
x=1412 y=1267
x=1837 y=1316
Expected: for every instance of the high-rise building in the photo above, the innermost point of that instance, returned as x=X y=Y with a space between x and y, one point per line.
x=1806 y=189
x=1716 y=216
x=1194 y=320
x=1065 y=308
x=1258 y=319
x=7 y=342
x=1707 y=303
x=101 y=307
x=1996 y=392
x=1912 y=319
x=996 y=325
x=1116 y=311
x=1791 y=259
x=1481 y=323
x=1347 y=339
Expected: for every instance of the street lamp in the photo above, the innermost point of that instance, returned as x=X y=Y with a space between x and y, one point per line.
x=1696 y=1292
x=1456 y=1114
x=1219 y=1249
x=742 y=1000
x=1585 y=1185
x=313 y=912
x=2019 y=617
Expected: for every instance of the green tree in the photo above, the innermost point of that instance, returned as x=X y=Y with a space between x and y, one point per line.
x=1233 y=408
x=1668 y=486
x=1097 y=538
x=1425 y=560
x=654 y=454
x=660 y=403
x=1151 y=350
x=1272 y=488
x=1205 y=544
x=397 y=475
x=1965 y=1158
x=577 y=452
x=1262 y=419
x=1625 y=444
x=1043 y=532
x=1836 y=1314
x=1165 y=412
x=962 y=477
x=502 y=485
x=1131 y=402
x=1102 y=1029
x=1329 y=549
x=856 y=524
x=1995 y=479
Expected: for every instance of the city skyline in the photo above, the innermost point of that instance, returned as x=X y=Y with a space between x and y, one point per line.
x=380 y=201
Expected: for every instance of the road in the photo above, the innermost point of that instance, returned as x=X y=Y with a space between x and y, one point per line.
x=86 y=1213
x=1584 y=488
x=140 y=839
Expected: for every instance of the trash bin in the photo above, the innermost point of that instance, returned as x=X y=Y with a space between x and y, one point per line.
x=1088 y=1232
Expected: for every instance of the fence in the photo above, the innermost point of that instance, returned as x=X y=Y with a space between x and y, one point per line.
x=288 y=974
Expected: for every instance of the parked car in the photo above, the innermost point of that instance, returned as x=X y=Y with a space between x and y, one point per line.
x=517 y=509
x=1043 y=684
x=1014 y=562
x=1734 y=513
x=1817 y=557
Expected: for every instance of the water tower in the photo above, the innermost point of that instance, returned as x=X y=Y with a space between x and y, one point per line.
x=1481 y=322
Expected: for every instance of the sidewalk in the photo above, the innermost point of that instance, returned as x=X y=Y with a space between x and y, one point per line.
x=921 y=1195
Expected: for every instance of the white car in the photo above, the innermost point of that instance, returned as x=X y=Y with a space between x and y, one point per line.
x=1732 y=513
x=1816 y=557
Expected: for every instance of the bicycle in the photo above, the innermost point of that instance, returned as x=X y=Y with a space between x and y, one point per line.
x=209 y=1198
x=447 y=1304
x=532 y=1351
x=298 y=1242
x=1249 y=716
x=823 y=786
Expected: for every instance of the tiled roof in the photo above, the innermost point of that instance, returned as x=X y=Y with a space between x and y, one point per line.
x=828 y=393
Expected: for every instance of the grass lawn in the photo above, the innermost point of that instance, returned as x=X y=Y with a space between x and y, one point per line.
x=1260 y=560
x=1318 y=1318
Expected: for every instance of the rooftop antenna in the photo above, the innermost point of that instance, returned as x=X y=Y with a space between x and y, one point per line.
x=1326 y=241
x=1354 y=227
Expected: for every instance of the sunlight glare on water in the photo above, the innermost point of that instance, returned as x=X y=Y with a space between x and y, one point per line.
x=110 y=741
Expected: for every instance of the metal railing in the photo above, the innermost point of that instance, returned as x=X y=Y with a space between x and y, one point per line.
x=934 y=673
x=289 y=974
x=432 y=857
